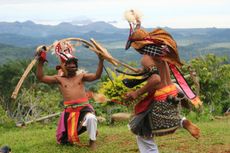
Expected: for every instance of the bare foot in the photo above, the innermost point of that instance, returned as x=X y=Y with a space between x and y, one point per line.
x=92 y=145
x=191 y=128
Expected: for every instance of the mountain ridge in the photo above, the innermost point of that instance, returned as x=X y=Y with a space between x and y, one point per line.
x=23 y=37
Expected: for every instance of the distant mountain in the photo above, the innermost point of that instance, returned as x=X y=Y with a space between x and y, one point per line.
x=31 y=29
x=87 y=59
x=101 y=26
x=27 y=28
x=80 y=22
x=30 y=34
x=23 y=37
x=9 y=52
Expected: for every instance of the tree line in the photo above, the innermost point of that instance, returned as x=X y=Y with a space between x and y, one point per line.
x=36 y=99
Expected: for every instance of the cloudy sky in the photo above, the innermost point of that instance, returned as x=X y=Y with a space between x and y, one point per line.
x=170 y=13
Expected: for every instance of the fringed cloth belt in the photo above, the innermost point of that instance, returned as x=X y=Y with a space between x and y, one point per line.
x=74 y=108
x=76 y=103
x=160 y=117
x=159 y=95
x=163 y=93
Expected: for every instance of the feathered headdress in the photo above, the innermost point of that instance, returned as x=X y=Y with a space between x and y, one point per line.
x=139 y=39
x=134 y=19
x=157 y=43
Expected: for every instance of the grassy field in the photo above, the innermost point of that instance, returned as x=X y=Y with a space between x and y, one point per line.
x=39 y=138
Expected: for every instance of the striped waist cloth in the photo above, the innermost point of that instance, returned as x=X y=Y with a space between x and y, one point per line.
x=76 y=103
x=163 y=93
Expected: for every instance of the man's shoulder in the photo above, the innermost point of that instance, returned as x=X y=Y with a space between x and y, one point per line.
x=57 y=77
x=80 y=75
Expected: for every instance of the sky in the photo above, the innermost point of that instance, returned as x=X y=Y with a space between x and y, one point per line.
x=156 y=13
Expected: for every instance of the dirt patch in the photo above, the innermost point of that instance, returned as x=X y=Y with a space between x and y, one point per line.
x=226 y=117
x=111 y=138
x=183 y=148
x=218 y=148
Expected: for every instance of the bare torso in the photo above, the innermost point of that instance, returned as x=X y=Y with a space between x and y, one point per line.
x=160 y=80
x=164 y=73
x=72 y=88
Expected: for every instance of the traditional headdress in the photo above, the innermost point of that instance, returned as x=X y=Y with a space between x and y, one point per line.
x=133 y=17
x=157 y=43
x=64 y=51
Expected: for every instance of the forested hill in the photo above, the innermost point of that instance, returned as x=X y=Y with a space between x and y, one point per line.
x=19 y=39
x=31 y=34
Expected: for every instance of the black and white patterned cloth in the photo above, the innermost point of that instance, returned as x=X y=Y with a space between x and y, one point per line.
x=164 y=118
x=154 y=50
x=160 y=119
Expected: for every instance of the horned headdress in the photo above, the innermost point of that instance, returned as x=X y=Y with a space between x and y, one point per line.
x=157 y=43
x=64 y=50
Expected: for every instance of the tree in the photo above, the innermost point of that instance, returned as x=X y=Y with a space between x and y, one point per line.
x=214 y=78
x=34 y=98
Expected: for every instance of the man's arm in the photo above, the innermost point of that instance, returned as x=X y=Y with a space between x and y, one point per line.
x=44 y=78
x=150 y=86
x=97 y=75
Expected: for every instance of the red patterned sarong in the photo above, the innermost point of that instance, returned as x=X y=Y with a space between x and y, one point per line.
x=68 y=127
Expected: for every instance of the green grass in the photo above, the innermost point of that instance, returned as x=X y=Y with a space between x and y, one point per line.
x=39 y=138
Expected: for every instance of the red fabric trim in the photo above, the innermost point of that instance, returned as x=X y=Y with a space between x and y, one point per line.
x=78 y=101
x=69 y=125
x=144 y=104
x=72 y=126
x=157 y=42
x=182 y=82
x=75 y=136
x=164 y=97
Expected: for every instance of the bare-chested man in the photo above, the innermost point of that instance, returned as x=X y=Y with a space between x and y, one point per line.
x=78 y=115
